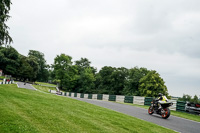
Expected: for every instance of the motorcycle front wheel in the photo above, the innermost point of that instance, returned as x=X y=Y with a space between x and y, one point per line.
x=165 y=113
x=150 y=110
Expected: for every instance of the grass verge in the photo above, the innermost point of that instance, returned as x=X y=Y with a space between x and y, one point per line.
x=23 y=110
x=174 y=113
x=44 y=88
x=42 y=83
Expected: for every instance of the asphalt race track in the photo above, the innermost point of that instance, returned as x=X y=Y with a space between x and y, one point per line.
x=27 y=85
x=175 y=123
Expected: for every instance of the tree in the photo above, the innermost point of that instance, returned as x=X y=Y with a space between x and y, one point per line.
x=86 y=81
x=9 y=60
x=195 y=99
x=65 y=72
x=28 y=68
x=4 y=11
x=132 y=82
x=118 y=77
x=86 y=76
x=42 y=73
x=25 y=70
x=152 y=84
x=188 y=98
x=104 y=80
x=84 y=63
x=33 y=62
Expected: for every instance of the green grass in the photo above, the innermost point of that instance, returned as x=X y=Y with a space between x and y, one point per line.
x=44 y=88
x=23 y=110
x=174 y=113
x=2 y=77
x=42 y=83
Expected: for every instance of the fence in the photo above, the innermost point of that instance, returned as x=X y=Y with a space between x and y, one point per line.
x=147 y=101
x=120 y=99
x=99 y=96
x=128 y=99
x=177 y=105
x=138 y=100
x=112 y=98
x=180 y=106
x=105 y=97
x=7 y=82
x=173 y=107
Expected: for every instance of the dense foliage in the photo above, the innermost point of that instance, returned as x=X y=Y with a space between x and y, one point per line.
x=80 y=76
x=4 y=11
x=189 y=98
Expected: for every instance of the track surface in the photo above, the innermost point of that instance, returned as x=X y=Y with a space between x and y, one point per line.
x=175 y=123
x=26 y=86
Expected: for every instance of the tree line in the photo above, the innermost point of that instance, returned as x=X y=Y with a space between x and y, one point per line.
x=80 y=76
x=188 y=98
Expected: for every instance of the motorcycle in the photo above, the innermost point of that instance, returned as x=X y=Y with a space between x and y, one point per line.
x=164 y=111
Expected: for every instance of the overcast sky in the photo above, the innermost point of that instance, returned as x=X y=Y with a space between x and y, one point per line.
x=156 y=34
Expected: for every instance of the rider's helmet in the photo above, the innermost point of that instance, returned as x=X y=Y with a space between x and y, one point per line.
x=160 y=94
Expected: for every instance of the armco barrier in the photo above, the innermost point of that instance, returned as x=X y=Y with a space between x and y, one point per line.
x=99 y=96
x=86 y=96
x=79 y=95
x=112 y=98
x=94 y=96
x=82 y=95
x=138 y=100
x=105 y=97
x=147 y=100
x=177 y=105
x=128 y=99
x=89 y=96
x=120 y=98
x=10 y=82
x=173 y=107
x=180 y=106
x=52 y=91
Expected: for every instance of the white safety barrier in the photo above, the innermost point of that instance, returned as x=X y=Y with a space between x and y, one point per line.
x=173 y=107
x=67 y=93
x=105 y=97
x=72 y=94
x=86 y=96
x=78 y=95
x=138 y=100
x=94 y=96
x=52 y=91
x=120 y=98
x=6 y=82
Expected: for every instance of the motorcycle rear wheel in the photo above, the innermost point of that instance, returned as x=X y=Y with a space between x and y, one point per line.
x=166 y=114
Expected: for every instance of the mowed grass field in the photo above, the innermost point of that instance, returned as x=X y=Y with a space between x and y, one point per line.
x=23 y=110
x=48 y=84
x=44 y=88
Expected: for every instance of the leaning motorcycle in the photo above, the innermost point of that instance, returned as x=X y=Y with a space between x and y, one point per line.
x=164 y=111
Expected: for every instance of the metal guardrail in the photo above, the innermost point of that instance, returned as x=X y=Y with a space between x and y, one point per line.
x=177 y=105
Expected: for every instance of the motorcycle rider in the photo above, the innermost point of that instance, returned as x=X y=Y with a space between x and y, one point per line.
x=161 y=99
